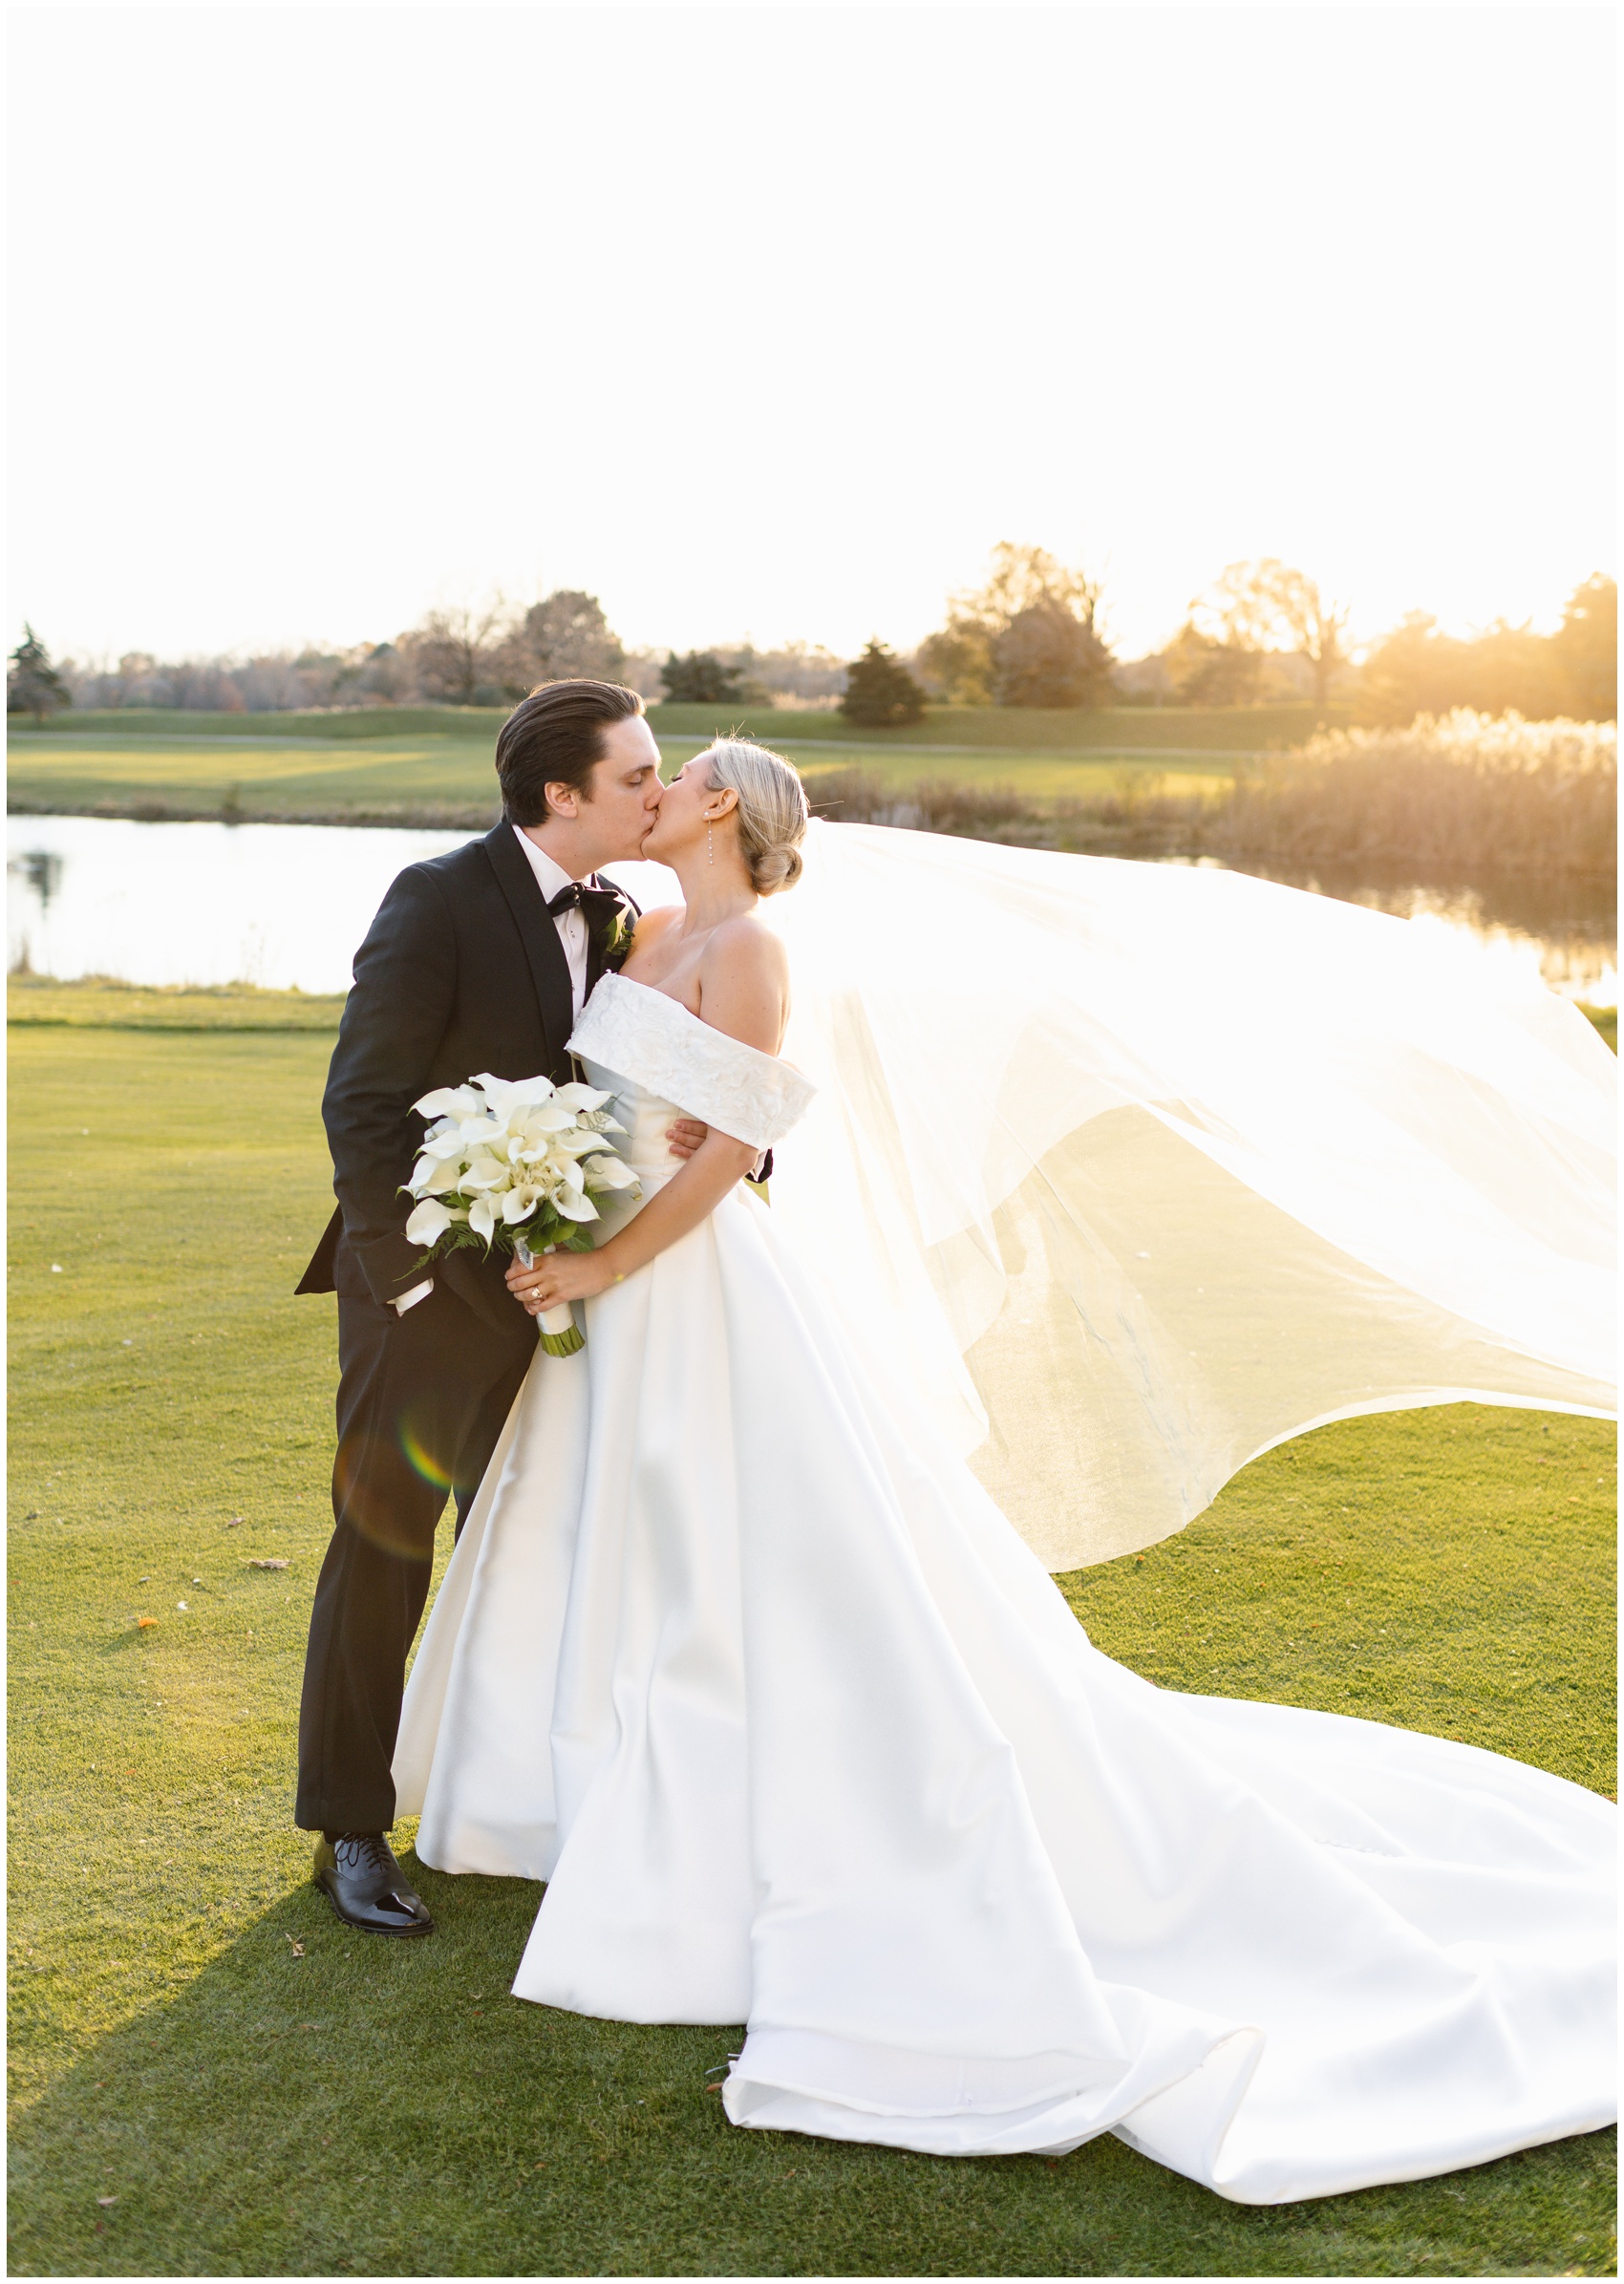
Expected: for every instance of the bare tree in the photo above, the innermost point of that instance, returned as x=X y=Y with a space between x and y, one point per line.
x=1020 y=579
x=1254 y=607
x=453 y=651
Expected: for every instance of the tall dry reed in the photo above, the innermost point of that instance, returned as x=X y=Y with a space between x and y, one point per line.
x=1137 y=818
x=1462 y=793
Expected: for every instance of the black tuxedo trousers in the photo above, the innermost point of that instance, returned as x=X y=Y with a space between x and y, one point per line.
x=461 y=973
x=421 y=1401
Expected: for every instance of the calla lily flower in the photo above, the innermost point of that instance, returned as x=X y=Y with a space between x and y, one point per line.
x=429 y=1222
x=504 y=1090
x=448 y=1102
x=609 y=1173
x=507 y=1154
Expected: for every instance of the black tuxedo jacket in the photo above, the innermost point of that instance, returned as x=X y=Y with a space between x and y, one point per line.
x=462 y=972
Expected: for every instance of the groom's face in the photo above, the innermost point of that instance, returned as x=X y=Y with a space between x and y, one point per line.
x=624 y=791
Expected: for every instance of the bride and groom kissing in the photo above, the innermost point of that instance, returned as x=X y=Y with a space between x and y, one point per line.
x=480 y=960
x=736 y=1657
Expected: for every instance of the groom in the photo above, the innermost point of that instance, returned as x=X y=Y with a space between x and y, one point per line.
x=477 y=961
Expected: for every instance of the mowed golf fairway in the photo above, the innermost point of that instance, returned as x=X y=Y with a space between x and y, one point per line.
x=211 y=2075
x=426 y=762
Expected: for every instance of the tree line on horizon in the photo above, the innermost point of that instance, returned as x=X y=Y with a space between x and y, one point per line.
x=1031 y=635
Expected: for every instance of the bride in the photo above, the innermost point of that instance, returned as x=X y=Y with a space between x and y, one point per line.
x=740 y=1658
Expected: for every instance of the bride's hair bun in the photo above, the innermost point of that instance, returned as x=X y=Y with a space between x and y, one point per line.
x=776 y=868
x=772 y=810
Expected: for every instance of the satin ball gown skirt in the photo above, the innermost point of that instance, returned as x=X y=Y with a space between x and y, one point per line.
x=800 y=1734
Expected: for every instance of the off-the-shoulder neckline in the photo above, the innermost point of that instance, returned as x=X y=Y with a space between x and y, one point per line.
x=687 y=1013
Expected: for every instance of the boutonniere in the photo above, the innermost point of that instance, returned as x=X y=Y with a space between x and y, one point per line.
x=618 y=942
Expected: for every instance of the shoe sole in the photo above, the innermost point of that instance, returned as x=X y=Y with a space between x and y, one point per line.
x=391 y=1934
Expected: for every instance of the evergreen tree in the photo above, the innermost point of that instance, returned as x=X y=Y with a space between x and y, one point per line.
x=699 y=678
x=32 y=684
x=880 y=692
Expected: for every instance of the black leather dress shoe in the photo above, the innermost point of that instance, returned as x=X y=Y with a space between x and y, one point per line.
x=367 y=1887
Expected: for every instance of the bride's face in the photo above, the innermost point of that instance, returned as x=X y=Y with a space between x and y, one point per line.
x=683 y=814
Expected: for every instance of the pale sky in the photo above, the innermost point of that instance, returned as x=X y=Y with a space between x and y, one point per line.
x=772 y=321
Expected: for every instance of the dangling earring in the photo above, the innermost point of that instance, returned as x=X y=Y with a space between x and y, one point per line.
x=709 y=844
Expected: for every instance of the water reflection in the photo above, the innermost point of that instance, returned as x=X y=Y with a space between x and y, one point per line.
x=286 y=906
x=283 y=906
x=1566 y=929
x=42 y=869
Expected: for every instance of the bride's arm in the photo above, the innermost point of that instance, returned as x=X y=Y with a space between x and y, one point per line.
x=744 y=992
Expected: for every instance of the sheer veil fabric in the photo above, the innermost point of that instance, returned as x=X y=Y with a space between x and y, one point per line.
x=738 y=1655
x=1144 y=1168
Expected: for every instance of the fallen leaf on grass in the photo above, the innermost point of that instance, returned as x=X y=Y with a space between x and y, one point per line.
x=235 y=1521
x=264 y=1562
x=298 y=1953
x=141 y=1624
x=107 y=2200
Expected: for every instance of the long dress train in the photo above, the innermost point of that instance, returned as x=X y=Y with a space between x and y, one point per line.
x=740 y=1658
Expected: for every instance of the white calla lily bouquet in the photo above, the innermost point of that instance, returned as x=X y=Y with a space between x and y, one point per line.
x=516 y=1165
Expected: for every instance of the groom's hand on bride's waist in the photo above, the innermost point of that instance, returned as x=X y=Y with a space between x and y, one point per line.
x=686 y=1136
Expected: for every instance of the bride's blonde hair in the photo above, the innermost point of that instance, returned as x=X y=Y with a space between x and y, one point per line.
x=772 y=810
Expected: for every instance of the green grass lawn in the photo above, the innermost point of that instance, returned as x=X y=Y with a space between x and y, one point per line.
x=1012 y=729
x=435 y=765
x=255 y=2090
x=447 y=777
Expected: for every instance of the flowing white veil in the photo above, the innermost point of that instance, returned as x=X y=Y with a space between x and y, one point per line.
x=1135 y=1170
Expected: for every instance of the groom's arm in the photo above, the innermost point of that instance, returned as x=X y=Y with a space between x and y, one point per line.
x=393 y=1021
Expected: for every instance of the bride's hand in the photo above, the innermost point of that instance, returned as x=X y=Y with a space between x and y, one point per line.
x=554 y=1278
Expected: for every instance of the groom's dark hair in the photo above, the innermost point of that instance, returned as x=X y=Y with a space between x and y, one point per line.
x=555 y=736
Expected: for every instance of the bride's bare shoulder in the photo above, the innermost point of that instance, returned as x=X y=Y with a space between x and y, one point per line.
x=744 y=983
x=746 y=947
x=654 y=923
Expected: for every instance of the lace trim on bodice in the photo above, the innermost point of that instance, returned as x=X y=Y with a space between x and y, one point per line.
x=645 y=1036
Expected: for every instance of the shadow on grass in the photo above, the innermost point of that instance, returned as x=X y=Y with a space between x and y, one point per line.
x=318 y=2102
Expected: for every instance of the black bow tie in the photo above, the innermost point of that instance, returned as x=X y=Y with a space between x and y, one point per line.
x=588 y=894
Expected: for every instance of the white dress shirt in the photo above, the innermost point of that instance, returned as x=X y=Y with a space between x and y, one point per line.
x=571 y=927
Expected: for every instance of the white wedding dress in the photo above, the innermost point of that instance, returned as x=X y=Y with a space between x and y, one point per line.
x=739 y=1656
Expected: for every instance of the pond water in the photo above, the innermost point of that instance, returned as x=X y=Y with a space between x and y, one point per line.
x=285 y=906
